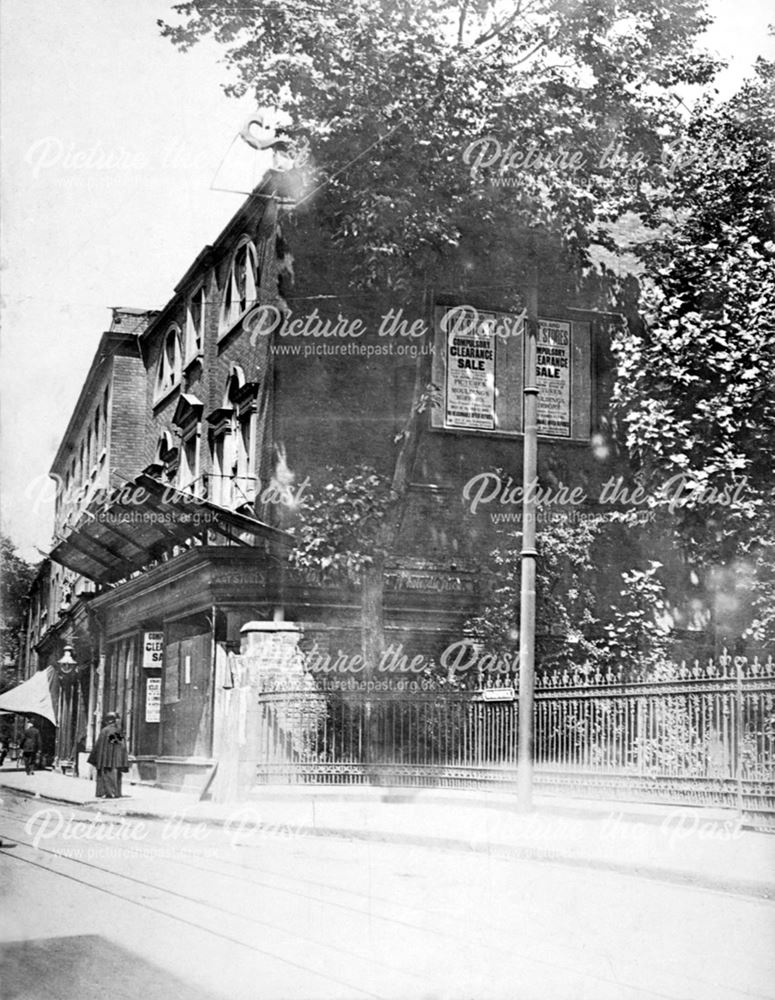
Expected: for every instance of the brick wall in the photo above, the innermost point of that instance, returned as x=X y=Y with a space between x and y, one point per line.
x=127 y=426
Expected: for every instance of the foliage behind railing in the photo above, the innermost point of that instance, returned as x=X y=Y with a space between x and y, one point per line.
x=696 y=732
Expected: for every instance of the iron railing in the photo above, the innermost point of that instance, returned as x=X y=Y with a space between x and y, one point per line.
x=701 y=733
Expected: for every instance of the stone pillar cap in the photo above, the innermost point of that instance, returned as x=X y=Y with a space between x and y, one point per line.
x=270 y=626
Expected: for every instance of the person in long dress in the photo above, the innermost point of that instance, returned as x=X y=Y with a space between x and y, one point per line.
x=110 y=758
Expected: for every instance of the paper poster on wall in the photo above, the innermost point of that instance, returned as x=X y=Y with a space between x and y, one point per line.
x=153 y=699
x=470 y=365
x=153 y=649
x=553 y=377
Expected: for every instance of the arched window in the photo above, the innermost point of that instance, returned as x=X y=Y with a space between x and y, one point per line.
x=195 y=325
x=235 y=383
x=233 y=441
x=240 y=291
x=187 y=418
x=166 y=449
x=165 y=459
x=168 y=372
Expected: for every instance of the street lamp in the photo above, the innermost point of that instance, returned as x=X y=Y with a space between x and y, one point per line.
x=67 y=669
x=67 y=663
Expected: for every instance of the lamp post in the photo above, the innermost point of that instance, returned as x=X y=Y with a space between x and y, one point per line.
x=527 y=605
x=67 y=669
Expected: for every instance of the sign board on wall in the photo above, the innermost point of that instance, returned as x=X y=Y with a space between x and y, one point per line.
x=152 y=699
x=553 y=377
x=153 y=649
x=470 y=387
x=478 y=363
x=475 y=349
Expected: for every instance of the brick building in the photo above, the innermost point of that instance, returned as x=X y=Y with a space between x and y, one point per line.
x=193 y=420
x=100 y=441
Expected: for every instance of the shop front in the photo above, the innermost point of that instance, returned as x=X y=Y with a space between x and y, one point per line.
x=167 y=635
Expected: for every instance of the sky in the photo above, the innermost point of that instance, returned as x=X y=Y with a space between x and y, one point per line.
x=111 y=145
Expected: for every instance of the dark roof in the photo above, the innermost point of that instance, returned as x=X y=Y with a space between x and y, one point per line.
x=113 y=540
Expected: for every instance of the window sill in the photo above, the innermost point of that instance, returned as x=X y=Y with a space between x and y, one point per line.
x=193 y=360
x=227 y=332
x=165 y=395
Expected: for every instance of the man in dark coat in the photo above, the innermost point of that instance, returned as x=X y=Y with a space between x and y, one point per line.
x=110 y=758
x=30 y=747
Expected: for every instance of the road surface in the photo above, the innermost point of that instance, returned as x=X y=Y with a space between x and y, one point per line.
x=96 y=906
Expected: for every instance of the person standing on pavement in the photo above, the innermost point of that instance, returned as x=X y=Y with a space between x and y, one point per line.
x=4 y=744
x=110 y=758
x=30 y=747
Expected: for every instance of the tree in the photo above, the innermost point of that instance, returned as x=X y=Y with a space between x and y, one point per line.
x=695 y=393
x=15 y=579
x=565 y=596
x=350 y=526
x=415 y=112
x=575 y=627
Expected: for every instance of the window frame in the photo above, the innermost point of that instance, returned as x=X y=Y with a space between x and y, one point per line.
x=193 y=347
x=163 y=388
x=230 y=314
x=232 y=440
x=192 y=482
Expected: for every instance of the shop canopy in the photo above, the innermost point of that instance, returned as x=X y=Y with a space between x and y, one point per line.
x=141 y=520
x=37 y=696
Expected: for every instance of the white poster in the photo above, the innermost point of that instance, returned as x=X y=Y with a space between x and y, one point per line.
x=553 y=377
x=153 y=649
x=153 y=699
x=470 y=388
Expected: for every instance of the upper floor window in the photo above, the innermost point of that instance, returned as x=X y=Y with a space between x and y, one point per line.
x=166 y=458
x=233 y=443
x=168 y=372
x=188 y=470
x=104 y=425
x=195 y=325
x=240 y=291
x=91 y=451
x=187 y=418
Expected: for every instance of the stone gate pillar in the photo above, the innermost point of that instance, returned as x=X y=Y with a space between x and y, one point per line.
x=269 y=658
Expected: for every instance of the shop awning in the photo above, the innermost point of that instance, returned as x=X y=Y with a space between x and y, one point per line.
x=37 y=696
x=145 y=518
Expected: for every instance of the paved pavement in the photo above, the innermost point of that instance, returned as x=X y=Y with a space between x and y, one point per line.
x=700 y=847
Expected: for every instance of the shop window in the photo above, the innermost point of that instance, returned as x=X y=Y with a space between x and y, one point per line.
x=169 y=368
